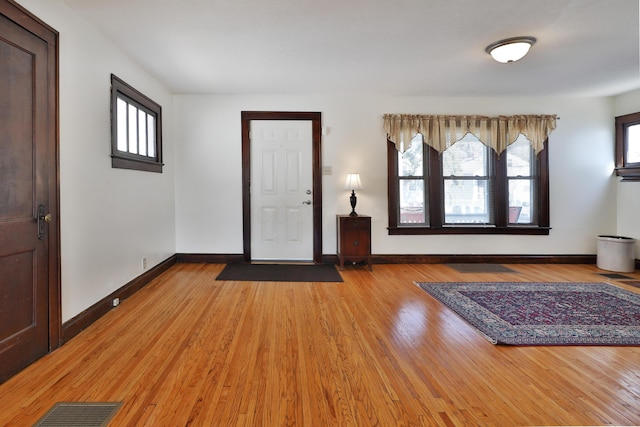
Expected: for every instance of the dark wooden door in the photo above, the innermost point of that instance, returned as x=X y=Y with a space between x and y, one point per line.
x=28 y=193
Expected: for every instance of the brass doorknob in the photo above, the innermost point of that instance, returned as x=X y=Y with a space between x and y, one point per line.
x=48 y=217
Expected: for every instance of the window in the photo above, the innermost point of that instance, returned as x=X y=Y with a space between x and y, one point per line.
x=628 y=147
x=136 y=129
x=467 y=182
x=468 y=189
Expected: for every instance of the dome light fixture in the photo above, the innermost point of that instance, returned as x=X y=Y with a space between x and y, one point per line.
x=510 y=50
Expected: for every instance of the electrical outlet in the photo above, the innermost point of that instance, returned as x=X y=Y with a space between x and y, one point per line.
x=144 y=263
x=116 y=302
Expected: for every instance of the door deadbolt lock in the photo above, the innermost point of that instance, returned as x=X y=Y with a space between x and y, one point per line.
x=43 y=218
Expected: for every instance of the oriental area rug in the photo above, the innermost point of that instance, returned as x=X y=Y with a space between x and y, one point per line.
x=534 y=313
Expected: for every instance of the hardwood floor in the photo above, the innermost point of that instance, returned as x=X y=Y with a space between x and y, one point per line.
x=373 y=350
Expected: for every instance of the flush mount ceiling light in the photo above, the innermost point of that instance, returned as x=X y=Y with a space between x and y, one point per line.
x=510 y=50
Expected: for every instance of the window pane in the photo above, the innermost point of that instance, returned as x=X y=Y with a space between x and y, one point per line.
x=633 y=144
x=467 y=157
x=520 y=158
x=151 y=133
x=142 y=132
x=410 y=162
x=521 y=162
x=121 y=108
x=521 y=201
x=466 y=201
x=412 y=209
x=133 y=129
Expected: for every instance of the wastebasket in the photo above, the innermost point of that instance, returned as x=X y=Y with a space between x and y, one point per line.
x=616 y=253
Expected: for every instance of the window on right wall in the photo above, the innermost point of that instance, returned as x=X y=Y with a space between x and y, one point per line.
x=628 y=147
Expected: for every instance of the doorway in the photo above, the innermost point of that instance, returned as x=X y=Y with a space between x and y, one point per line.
x=281 y=186
x=30 y=322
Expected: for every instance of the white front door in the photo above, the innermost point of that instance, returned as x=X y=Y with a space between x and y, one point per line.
x=281 y=190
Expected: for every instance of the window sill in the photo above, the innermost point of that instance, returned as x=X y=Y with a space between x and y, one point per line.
x=141 y=165
x=521 y=230
x=629 y=173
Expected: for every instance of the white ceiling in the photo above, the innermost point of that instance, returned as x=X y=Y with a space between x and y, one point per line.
x=391 y=47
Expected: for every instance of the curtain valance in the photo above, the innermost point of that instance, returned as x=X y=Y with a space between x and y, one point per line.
x=442 y=131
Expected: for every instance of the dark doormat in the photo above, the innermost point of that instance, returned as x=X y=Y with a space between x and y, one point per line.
x=85 y=414
x=280 y=273
x=481 y=268
x=614 y=276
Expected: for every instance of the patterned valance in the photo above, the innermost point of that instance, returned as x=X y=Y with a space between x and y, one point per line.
x=441 y=132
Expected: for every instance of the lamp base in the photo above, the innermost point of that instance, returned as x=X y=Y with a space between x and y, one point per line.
x=353 y=199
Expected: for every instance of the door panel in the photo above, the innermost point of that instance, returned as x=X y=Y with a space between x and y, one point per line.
x=28 y=178
x=281 y=188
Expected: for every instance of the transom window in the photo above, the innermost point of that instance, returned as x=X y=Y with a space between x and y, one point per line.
x=628 y=147
x=136 y=131
x=468 y=188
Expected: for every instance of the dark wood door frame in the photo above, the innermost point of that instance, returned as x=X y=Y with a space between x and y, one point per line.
x=316 y=127
x=23 y=18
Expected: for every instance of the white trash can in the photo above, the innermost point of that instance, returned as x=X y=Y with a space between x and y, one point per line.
x=616 y=253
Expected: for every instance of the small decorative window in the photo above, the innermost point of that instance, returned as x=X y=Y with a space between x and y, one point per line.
x=136 y=129
x=628 y=147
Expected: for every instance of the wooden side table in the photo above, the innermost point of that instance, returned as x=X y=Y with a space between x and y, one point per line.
x=354 y=239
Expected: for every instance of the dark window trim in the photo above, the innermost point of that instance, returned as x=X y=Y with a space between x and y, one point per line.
x=120 y=159
x=628 y=171
x=436 y=202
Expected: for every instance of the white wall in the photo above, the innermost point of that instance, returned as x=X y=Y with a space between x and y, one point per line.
x=110 y=218
x=628 y=192
x=208 y=170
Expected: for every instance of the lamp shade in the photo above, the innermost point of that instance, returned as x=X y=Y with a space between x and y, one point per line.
x=353 y=182
x=510 y=50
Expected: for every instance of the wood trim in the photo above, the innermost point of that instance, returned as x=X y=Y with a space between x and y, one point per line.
x=118 y=162
x=628 y=171
x=77 y=324
x=392 y=185
x=493 y=259
x=544 y=188
x=417 y=259
x=316 y=123
x=210 y=258
x=520 y=230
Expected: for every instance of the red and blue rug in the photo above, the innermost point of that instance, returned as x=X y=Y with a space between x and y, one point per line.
x=533 y=313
